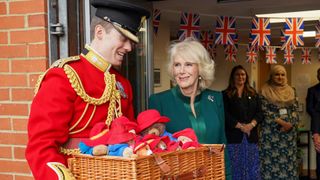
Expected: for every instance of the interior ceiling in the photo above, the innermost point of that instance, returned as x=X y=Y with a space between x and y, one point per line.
x=242 y=9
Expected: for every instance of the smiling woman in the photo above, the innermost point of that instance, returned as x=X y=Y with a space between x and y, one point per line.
x=243 y=113
x=278 y=136
x=190 y=104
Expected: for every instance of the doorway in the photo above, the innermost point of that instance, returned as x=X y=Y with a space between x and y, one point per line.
x=69 y=31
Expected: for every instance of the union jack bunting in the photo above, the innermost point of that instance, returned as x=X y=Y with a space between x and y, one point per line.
x=236 y=41
x=230 y=53
x=318 y=34
x=260 y=32
x=213 y=51
x=293 y=32
x=254 y=48
x=156 y=20
x=271 y=55
x=306 y=59
x=288 y=55
x=189 y=26
x=251 y=55
x=206 y=38
x=225 y=30
x=282 y=37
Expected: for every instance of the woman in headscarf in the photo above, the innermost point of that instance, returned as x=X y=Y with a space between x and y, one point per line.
x=278 y=140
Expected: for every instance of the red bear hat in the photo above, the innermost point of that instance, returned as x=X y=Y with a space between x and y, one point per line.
x=121 y=130
x=124 y=121
x=99 y=134
x=118 y=133
x=139 y=143
x=152 y=140
x=188 y=132
x=148 y=117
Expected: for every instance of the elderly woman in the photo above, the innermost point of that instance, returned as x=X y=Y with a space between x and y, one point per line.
x=243 y=113
x=190 y=104
x=278 y=140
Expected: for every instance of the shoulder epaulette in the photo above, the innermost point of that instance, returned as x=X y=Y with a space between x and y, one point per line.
x=63 y=61
x=58 y=63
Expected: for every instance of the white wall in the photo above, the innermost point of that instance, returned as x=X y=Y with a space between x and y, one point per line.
x=161 y=44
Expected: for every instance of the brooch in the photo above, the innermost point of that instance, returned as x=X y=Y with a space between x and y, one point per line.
x=121 y=89
x=211 y=98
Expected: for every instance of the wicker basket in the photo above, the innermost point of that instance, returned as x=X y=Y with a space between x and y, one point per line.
x=206 y=162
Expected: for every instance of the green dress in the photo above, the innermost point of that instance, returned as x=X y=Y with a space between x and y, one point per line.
x=209 y=123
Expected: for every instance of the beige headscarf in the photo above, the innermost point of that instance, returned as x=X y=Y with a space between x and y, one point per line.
x=278 y=94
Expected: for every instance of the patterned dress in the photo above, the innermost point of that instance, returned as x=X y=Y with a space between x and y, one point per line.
x=278 y=150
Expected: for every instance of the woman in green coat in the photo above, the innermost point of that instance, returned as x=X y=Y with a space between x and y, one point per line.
x=190 y=104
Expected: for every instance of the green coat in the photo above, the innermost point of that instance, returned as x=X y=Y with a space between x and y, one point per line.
x=209 y=123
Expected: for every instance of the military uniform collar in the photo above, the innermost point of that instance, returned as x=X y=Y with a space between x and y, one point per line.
x=95 y=58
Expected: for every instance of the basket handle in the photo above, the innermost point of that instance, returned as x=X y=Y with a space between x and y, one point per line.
x=212 y=150
x=199 y=172
x=165 y=168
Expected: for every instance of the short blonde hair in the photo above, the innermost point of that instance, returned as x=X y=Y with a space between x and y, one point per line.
x=193 y=51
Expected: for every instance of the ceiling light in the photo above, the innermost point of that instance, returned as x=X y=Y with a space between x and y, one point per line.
x=280 y=17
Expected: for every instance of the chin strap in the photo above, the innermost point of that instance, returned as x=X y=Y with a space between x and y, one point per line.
x=61 y=170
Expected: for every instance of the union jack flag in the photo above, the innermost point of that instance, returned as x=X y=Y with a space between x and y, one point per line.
x=189 y=26
x=230 y=53
x=213 y=51
x=236 y=39
x=156 y=20
x=318 y=34
x=293 y=32
x=282 y=37
x=254 y=48
x=206 y=38
x=306 y=59
x=236 y=42
x=271 y=55
x=288 y=55
x=225 y=30
x=251 y=55
x=260 y=32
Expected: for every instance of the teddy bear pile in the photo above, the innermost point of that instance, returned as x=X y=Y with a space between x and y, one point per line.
x=135 y=139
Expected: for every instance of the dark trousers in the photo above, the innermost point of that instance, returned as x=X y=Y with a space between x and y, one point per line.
x=318 y=165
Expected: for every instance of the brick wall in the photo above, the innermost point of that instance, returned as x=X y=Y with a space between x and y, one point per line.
x=23 y=56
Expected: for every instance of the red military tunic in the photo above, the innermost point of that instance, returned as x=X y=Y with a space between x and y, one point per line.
x=57 y=107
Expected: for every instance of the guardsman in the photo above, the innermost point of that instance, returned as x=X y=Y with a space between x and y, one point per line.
x=78 y=92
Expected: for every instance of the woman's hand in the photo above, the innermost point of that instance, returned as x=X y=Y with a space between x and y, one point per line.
x=286 y=126
x=316 y=141
x=245 y=128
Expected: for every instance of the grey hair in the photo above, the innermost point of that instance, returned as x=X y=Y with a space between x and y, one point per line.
x=192 y=50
